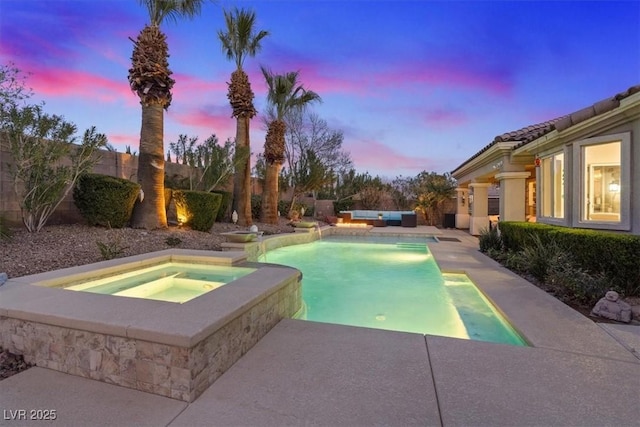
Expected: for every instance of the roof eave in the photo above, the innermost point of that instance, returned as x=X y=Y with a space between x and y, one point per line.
x=494 y=152
x=629 y=108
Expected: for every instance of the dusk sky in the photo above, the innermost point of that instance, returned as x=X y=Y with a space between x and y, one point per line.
x=414 y=85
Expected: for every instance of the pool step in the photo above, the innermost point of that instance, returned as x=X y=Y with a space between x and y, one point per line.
x=414 y=246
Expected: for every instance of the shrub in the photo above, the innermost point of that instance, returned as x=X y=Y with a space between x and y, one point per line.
x=283 y=207
x=342 y=205
x=517 y=235
x=105 y=200
x=225 y=205
x=538 y=256
x=256 y=206
x=573 y=284
x=614 y=255
x=38 y=142
x=490 y=240
x=112 y=249
x=197 y=209
x=308 y=210
x=173 y=241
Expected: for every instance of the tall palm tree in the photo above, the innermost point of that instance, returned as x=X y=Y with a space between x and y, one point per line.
x=285 y=94
x=239 y=41
x=150 y=78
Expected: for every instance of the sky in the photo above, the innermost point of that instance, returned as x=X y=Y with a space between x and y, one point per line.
x=413 y=85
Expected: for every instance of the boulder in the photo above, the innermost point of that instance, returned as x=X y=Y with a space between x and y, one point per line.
x=613 y=308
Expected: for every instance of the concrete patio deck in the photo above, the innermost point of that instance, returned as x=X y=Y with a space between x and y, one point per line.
x=575 y=373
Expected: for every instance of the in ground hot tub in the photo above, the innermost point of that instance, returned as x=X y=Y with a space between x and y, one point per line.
x=154 y=345
x=169 y=281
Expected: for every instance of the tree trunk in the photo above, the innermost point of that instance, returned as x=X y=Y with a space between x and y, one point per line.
x=242 y=177
x=270 y=193
x=150 y=213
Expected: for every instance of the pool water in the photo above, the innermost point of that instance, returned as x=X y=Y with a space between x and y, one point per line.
x=170 y=281
x=394 y=285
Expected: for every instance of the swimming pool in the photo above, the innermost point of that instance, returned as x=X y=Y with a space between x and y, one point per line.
x=394 y=285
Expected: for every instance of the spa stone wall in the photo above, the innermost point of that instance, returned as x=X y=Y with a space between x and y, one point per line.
x=167 y=370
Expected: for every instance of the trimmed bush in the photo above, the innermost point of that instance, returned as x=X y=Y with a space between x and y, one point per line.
x=517 y=235
x=225 y=205
x=197 y=209
x=105 y=200
x=615 y=255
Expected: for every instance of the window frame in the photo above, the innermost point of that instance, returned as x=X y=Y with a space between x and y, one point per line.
x=580 y=182
x=541 y=188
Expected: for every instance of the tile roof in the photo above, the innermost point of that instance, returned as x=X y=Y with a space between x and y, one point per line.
x=527 y=134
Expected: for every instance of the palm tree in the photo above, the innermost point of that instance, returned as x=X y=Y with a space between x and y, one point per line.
x=285 y=94
x=150 y=78
x=239 y=41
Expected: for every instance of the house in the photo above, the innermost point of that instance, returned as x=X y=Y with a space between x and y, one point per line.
x=573 y=171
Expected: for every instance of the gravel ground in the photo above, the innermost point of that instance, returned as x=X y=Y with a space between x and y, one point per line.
x=60 y=246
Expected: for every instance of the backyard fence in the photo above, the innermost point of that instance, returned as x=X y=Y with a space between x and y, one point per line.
x=111 y=163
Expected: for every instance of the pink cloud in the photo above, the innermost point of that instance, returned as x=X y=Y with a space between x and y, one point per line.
x=123 y=139
x=209 y=120
x=191 y=86
x=371 y=154
x=445 y=118
x=367 y=75
x=315 y=74
x=448 y=74
x=61 y=82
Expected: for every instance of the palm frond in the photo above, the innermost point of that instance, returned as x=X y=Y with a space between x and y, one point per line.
x=240 y=39
x=159 y=10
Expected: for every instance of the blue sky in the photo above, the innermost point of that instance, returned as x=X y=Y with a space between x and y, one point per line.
x=414 y=85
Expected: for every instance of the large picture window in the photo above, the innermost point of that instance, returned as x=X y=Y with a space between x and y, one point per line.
x=552 y=183
x=601 y=182
x=604 y=177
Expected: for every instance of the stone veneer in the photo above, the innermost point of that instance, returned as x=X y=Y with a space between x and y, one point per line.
x=167 y=370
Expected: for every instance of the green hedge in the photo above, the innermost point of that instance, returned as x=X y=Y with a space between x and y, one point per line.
x=342 y=205
x=225 y=205
x=518 y=235
x=105 y=200
x=197 y=209
x=615 y=255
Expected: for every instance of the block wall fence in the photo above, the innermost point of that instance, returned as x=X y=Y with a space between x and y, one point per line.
x=111 y=163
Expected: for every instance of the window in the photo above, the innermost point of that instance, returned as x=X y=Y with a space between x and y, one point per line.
x=552 y=184
x=601 y=183
x=603 y=174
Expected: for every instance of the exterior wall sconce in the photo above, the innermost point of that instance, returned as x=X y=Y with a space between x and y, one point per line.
x=462 y=199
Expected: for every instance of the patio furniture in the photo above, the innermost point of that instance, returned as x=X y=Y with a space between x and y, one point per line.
x=409 y=220
x=368 y=217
